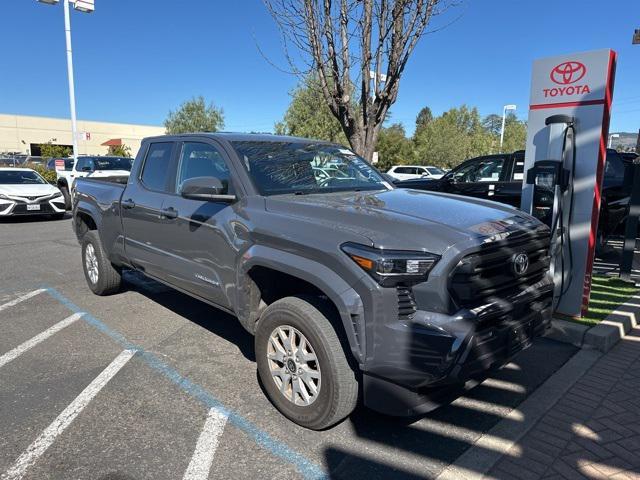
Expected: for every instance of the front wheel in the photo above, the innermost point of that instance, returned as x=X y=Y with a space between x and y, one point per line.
x=67 y=197
x=101 y=276
x=302 y=364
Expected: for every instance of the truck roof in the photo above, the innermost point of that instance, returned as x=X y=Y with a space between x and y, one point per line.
x=243 y=137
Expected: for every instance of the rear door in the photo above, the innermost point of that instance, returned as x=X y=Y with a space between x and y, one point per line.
x=509 y=191
x=199 y=235
x=141 y=209
x=616 y=191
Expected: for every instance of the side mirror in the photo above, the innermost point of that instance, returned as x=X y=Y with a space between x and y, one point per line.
x=205 y=188
x=87 y=169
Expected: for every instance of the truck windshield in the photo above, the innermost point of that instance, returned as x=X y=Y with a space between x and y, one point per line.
x=293 y=167
x=112 y=163
x=20 y=177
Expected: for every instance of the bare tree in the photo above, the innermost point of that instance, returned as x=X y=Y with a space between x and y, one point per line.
x=341 y=42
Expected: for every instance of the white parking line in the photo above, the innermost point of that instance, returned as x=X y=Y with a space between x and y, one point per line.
x=202 y=459
x=29 y=344
x=21 y=298
x=46 y=438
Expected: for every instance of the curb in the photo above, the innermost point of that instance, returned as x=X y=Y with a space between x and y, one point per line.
x=603 y=336
x=480 y=458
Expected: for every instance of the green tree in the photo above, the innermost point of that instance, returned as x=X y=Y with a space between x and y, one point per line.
x=309 y=116
x=50 y=150
x=195 y=116
x=119 y=151
x=453 y=137
x=492 y=123
x=515 y=134
x=424 y=118
x=393 y=147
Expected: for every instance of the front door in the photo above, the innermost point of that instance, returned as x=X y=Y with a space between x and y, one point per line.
x=141 y=208
x=200 y=235
x=478 y=178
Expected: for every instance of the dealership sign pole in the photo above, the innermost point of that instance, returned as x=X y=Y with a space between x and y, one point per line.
x=86 y=6
x=575 y=91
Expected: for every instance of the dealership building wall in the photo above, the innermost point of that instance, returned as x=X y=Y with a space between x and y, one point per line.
x=22 y=134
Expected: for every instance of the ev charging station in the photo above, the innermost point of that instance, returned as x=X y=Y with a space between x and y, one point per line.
x=567 y=131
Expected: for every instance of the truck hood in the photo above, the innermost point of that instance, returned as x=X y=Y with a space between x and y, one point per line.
x=405 y=219
x=28 y=190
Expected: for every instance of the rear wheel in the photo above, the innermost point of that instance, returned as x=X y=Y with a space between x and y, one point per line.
x=302 y=364
x=101 y=276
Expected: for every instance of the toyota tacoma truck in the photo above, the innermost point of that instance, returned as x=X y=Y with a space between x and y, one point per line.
x=351 y=288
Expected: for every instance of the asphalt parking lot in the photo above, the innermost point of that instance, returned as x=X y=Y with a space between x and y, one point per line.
x=152 y=384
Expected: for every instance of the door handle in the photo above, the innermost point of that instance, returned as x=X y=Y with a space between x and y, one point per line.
x=128 y=204
x=169 y=213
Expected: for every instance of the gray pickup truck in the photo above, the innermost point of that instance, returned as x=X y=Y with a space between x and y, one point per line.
x=351 y=287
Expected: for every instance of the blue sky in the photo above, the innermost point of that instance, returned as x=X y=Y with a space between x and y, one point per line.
x=136 y=60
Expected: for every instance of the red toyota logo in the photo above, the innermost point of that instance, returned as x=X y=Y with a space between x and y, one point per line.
x=568 y=72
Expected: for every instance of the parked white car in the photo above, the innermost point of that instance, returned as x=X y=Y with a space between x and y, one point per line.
x=24 y=192
x=408 y=172
x=90 y=166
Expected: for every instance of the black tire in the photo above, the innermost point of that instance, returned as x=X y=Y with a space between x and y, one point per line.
x=338 y=392
x=108 y=278
x=67 y=198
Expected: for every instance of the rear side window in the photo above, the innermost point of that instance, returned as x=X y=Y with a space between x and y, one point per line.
x=614 y=170
x=155 y=172
x=518 y=169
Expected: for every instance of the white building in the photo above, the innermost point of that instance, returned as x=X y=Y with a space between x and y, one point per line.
x=24 y=134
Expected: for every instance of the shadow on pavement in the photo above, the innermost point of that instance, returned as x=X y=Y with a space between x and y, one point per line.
x=407 y=448
x=213 y=319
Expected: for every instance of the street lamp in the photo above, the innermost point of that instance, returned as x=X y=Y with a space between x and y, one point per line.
x=504 y=116
x=86 y=6
x=611 y=137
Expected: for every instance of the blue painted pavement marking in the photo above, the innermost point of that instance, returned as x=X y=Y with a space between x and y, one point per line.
x=307 y=468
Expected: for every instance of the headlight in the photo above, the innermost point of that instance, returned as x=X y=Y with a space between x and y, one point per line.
x=4 y=197
x=391 y=267
x=56 y=195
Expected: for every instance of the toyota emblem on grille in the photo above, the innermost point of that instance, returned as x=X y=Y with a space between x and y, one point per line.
x=520 y=264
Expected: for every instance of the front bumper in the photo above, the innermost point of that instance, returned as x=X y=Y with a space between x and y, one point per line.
x=48 y=206
x=426 y=360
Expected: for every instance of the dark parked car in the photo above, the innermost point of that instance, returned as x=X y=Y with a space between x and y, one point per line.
x=51 y=163
x=499 y=178
x=348 y=284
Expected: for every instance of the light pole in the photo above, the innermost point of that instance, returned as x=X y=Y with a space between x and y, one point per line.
x=611 y=137
x=86 y=6
x=504 y=116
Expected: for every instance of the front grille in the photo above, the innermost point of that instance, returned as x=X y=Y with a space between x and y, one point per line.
x=30 y=199
x=406 y=303
x=488 y=275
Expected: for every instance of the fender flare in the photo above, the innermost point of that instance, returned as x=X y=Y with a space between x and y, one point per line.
x=89 y=210
x=344 y=297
